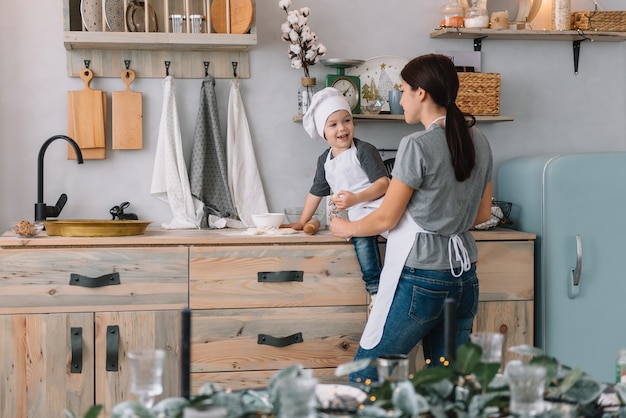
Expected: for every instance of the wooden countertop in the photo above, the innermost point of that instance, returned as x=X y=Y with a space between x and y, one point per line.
x=156 y=236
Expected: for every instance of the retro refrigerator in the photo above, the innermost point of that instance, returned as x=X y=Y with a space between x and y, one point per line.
x=576 y=205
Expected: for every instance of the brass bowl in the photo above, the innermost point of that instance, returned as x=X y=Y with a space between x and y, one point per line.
x=95 y=228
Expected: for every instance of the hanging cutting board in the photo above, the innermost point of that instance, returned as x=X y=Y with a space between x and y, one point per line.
x=240 y=14
x=87 y=119
x=127 y=116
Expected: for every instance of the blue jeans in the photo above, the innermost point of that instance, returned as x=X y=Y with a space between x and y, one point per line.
x=368 y=254
x=416 y=314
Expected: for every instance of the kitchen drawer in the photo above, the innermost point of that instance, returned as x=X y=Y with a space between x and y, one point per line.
x=229 y=277
x=505 y=270
x=237 y=340
x=40 y=281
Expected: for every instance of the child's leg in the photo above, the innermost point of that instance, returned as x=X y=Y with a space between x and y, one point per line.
x=368 y=254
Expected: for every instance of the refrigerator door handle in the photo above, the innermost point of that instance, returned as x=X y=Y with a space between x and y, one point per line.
x=574 y=288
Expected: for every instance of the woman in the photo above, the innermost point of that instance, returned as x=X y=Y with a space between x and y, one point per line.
x=440 y=188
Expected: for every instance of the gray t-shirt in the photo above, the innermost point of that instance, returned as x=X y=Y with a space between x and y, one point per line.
x=369 y=158
x=440 y=203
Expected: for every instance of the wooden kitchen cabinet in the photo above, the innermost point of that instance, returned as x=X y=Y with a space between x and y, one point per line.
x=64 y=346
x=259 y=304
x=258 y=309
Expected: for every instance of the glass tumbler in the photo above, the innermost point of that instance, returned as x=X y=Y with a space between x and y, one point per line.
x=146 y=374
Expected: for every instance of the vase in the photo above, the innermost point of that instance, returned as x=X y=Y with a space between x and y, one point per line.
x=394 y=102
x=305 y=93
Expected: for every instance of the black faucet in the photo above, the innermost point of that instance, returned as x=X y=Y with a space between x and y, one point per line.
x=43 y=211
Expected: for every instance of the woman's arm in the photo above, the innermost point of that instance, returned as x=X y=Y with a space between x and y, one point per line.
x=344 y=199
x=382 y=219
x=484 y=210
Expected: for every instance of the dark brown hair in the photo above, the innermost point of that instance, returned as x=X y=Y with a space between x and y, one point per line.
x=437 y=75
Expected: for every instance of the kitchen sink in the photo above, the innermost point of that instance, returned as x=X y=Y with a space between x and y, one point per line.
x=95 y=227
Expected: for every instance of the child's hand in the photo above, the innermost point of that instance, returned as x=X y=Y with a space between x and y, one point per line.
x=344 y=199
x=296 y=225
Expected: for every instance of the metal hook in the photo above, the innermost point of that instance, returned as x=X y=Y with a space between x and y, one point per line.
x=206 y=68
x=87 y=63
x=167 y=68
x=127 y=64
x=235 y=64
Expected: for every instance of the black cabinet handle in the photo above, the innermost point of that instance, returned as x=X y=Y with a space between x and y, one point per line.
x=84 y=281
x=280 y=276
x=76 y=344
x=265 y=339
x=113 y=344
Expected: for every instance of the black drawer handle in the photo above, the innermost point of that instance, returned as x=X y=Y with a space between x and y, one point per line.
x=280 y=342
x=113 y=344
x=280 y=276
x=76 y=343
x=84 y=281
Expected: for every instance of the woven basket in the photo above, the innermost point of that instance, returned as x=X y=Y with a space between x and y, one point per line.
x=479 y=93
x=610 y=21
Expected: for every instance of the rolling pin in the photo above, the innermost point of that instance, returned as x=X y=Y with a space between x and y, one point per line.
x=311 y=227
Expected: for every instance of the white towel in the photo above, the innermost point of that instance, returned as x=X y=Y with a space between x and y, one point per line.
x=244 y=181
x=170 y=182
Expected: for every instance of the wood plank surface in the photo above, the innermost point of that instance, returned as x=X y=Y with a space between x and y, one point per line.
x=226 y=340
x=505 y=270
x=227 y=277
x=39 y=281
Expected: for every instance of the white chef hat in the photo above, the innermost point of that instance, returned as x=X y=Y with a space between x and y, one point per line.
x=324 y=103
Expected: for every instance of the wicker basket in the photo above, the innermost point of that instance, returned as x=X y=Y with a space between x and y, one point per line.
x=479 y=93
x=610 y=21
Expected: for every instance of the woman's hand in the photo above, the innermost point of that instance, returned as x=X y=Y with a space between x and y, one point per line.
x=340 y=228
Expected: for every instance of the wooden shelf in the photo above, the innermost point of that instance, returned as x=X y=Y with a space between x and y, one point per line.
x=388 y=117
x=527 y=34
x=158 y=41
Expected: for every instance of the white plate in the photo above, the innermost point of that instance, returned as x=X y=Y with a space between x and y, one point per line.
x=327 y=393
x=91 y=14
x=384 y=71
x=114 y=15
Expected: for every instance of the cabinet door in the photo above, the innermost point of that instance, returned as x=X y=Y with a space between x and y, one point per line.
x=125 y=331
x=40 y=376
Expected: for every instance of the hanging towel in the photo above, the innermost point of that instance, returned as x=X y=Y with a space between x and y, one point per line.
x=209 y=172
x=170 y=182
x=243 y=174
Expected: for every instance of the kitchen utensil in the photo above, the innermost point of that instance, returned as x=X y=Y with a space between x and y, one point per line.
x=87 y=119
x=95 y=227
x=311 y=227
x=268 y=220
x=236 y=19
x=127 y=116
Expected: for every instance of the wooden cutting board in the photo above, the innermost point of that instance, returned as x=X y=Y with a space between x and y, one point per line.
x=86 y=119
x=241 y=14
x=127 y=116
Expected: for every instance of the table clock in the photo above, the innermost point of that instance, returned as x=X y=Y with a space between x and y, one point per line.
x=348 y=85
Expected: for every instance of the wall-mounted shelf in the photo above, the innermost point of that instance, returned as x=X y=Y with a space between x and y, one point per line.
x=575 y=36
x=388 y=117
x=106 y=50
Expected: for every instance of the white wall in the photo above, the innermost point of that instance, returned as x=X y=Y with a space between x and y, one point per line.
x=554 y=110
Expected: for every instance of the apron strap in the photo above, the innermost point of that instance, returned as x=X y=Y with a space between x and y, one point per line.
x=460 y=255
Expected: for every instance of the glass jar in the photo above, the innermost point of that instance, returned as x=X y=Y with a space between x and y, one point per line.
x=305 y=93
x=452 y=14
x=476 y=16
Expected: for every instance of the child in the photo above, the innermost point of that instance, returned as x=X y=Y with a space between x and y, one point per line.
x=351 y=171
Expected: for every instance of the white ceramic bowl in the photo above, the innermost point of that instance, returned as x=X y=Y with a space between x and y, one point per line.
x=268 y=220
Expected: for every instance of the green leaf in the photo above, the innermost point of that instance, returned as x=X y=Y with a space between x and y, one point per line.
x=467 y=357
x=570 y=379
x=94 y=411
x=431 y=375
x=484 y=373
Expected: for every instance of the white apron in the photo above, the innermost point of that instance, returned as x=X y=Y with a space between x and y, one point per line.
x=344 y=172
x=399 y=244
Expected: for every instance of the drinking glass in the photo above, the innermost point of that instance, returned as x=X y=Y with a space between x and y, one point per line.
x=526 y=384
x=146 y=374
x=177 y=23
x=392 y=368
x=196 y=23
x=491 y=343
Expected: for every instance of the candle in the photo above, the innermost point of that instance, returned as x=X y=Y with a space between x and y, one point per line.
x=185 y=350
x=449 y=328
